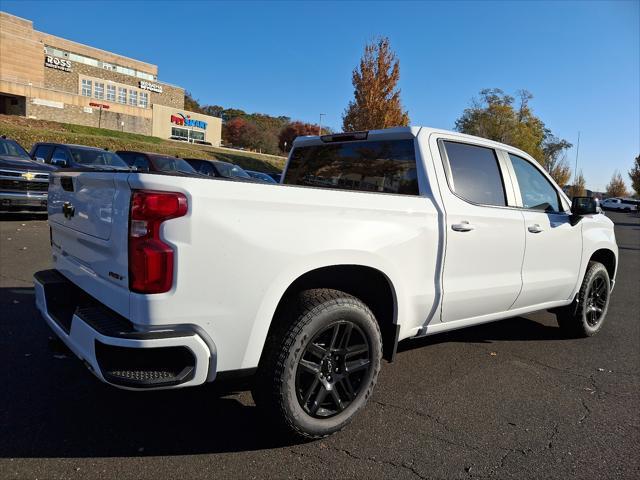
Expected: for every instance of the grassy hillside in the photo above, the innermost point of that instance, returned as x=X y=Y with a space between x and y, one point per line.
x=27 y=131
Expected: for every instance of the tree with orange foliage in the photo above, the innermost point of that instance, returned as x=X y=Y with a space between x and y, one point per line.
x=295 y=129
x=377 y=99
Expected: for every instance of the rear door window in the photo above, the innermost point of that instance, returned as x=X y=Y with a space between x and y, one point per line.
x=385 y=166
x=475 y=174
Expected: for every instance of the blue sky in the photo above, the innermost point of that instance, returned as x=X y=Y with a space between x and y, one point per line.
x=579 y=59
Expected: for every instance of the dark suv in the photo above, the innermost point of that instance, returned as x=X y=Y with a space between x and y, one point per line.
x=23 y=182
x=155 y=162
x=63 y=155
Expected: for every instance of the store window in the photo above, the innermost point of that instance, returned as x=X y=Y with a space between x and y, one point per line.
x=82 y=59
x=196 y=135
x=122 y=95
x=144 y=99
x=133 y=98
x=179 y=132
x=98 y=90
x=111 y=93
x=125 y=70
x=86 y=87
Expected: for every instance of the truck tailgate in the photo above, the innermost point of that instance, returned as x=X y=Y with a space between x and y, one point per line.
x=88 y=216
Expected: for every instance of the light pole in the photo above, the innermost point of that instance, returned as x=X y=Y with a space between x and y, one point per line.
x=320 y=126
x=575 y=173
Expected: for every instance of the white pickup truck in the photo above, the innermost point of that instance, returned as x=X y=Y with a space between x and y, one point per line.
x=373 y=237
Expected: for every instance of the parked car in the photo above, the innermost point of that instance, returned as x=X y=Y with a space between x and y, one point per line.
x=265 y=177
x=155 y=162
x=624 y=204
x=64 y=155
x=380 y=236
x=204 y=167
x=217 y=168
x=229 y=170
x=276 y=176
x=23 y=182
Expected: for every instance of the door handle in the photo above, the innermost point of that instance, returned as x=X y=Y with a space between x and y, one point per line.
x=463 y=226
x=535 y=228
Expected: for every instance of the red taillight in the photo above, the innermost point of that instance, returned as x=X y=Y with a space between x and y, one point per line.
x=150 y=259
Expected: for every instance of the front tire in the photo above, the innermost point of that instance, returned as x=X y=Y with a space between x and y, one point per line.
x=321 y=365
x=585 y=316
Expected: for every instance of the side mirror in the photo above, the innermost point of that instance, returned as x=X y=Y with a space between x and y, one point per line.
x=581 y=206
x=59 y=162
x=39 y=159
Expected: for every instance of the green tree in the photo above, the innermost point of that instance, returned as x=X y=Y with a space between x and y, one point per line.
x=213 y=110
x=579 y=187
x=376 y=101
x=496 y=116
x=634 y=175
x=191 y=104
x=616 y=187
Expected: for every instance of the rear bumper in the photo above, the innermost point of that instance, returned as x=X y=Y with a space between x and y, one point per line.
x=113 y=348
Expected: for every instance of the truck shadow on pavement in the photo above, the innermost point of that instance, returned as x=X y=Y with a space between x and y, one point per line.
x=51 y=406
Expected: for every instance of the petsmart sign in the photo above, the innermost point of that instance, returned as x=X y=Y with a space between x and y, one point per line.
x=187 y=121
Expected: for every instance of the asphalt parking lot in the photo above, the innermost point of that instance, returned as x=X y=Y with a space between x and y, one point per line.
x=512 y=399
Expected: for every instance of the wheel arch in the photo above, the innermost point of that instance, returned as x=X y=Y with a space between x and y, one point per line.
x=367 y=283
x=606 y=257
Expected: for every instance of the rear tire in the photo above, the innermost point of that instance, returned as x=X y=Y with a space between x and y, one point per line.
x=320 y=364
x=586 y=315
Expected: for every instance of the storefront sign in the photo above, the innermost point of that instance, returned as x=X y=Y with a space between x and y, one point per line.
x=154 y=87
x=57 y=63
x=187 y=121
x=99 y=105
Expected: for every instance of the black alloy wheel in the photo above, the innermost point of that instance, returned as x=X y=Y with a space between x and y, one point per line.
x=332 y=368
x=585 y=316
x=596 y=300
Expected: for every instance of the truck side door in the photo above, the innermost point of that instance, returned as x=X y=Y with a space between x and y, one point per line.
x=553 y=246
x=485 y=239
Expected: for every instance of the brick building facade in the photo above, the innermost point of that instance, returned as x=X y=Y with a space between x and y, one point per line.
x=51 y=78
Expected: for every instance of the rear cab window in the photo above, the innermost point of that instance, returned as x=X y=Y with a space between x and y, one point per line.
x=384 y=166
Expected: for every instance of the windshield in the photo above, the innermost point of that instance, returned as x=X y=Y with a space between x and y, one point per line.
x=10 y=148
x=231 y=170
x=96 y=158
x=172 y=164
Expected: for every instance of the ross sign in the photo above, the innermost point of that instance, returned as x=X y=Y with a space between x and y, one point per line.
x=187 y=121
x=87 y=109
x=57 y=63
x=154 y=87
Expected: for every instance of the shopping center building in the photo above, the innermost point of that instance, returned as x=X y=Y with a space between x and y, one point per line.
x=47 y=77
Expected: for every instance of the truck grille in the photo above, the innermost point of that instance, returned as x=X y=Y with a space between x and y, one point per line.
x=18 y=185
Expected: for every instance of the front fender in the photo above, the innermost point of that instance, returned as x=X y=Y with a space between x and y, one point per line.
x=597 y=234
